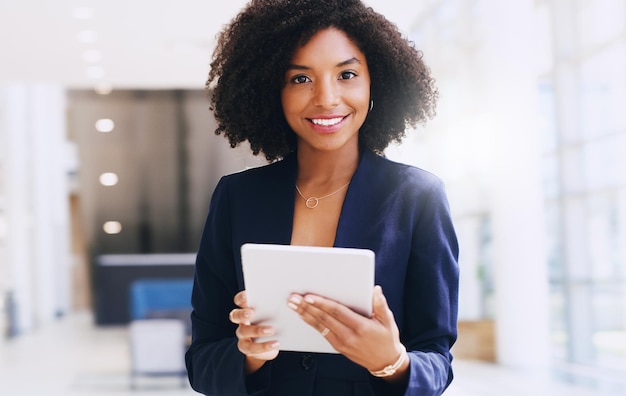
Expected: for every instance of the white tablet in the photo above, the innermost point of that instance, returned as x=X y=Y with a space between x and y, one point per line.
x=272 y=272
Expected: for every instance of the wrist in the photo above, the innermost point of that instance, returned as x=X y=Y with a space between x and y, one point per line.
x=252 y=365
x=393 y=368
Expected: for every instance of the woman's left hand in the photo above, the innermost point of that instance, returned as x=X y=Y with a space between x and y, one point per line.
x=373 y=342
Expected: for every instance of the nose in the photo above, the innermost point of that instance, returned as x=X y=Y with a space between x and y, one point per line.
x=326 y=93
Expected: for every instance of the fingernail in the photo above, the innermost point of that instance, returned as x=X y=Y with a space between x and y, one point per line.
x=268 y=330
x=246 y=314
x=275 y=345
x=295 y=299
x=309 y=299
x=292 y=306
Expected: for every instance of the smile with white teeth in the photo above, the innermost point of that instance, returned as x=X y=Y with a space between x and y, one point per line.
x=326 y=121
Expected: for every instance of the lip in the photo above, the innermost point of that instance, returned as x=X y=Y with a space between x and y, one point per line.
x=327 y=128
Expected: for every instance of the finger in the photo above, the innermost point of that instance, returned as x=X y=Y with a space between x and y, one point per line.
x=320 y=313
x=249 y=347
x=248 y=341
x=325 y=331
x=380 y=308
x=325 y=309
x=241 y=299
x=241 y=316
x=253 y=331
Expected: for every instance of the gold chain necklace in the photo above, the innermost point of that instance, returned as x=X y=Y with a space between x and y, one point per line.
x=312 y=202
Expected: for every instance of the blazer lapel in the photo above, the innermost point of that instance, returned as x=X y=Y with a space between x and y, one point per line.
x=356 y=226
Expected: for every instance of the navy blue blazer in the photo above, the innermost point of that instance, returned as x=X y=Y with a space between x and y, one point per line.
x=398 y=211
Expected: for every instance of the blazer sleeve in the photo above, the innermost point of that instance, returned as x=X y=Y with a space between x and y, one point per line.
x=429 y=325
x=431 y=293
x=214 y=364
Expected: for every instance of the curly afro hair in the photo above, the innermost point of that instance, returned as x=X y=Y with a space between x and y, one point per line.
x=254 y=50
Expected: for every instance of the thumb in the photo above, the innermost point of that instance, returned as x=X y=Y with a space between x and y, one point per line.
x=380 y=308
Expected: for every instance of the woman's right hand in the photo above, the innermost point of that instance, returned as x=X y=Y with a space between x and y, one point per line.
x=257 y=353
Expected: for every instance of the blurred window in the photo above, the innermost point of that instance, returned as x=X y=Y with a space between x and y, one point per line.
x=585 y=179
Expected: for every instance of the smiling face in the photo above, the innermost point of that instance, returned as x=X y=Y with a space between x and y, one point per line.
x=326 y=94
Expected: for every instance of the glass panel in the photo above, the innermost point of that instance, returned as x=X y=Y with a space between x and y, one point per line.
x=602 y=235
x=603 y=88
x=609 y=337
x=547 y=116
x=600 y=21
x=600 y=163
x=485 y=267
x=556 y=270
x=558 y=322
x=551 y=177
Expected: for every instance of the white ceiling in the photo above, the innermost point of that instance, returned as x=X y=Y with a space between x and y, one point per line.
x=151 y=44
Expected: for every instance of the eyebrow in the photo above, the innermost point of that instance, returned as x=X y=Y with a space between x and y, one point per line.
x=350 y=61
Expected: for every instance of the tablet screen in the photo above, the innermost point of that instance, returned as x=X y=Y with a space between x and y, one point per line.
x=272 y=272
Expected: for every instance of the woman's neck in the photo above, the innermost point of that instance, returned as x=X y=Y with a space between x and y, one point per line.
x=326 y=167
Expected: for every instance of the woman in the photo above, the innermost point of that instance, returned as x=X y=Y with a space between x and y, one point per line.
x=321 y=87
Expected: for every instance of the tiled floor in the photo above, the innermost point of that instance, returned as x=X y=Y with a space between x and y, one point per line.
x=71 y=357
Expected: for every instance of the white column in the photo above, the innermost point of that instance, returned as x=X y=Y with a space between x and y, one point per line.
x=520 y=264
x=50 y=200
x=37 y=213
x=18 y=205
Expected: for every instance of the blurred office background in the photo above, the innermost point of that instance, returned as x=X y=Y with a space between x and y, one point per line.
x=108 y=160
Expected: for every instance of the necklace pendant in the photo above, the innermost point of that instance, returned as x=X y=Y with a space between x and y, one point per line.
x=312 y=202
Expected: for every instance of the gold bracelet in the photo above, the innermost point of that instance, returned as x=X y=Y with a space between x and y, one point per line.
x=392 y=368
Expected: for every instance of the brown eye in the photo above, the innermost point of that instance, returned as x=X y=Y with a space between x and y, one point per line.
x=347 y=75
x=300 y=79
